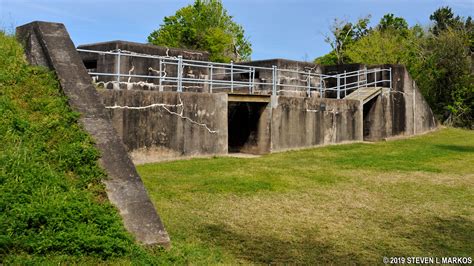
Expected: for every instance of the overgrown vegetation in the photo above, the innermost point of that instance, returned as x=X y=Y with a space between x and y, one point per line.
x=438 y=57
x=52 y=204
x=343 y=204
x=204 y=25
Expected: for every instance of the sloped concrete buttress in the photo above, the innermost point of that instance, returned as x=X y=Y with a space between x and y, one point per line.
x=48 y=44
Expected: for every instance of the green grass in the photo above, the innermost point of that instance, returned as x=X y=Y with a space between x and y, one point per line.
x=342 y=204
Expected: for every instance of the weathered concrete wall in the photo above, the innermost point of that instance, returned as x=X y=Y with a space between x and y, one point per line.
x=49 y=45
x=419 y=116
x=402 y=111
x=143 y=48
x=288 y=122
x=305 y=122
x=286 y=78
x=105 y=63
x=378 y=117
x=157 y=125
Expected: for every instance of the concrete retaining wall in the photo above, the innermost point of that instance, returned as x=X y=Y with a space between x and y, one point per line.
x=288 y=122
x=305 y=122
x=168 y=124
x=401 y=112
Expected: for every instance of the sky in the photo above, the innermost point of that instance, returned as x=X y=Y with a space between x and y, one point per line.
x=290 y=29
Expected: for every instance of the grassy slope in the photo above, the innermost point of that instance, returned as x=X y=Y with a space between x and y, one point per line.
x=346 y=203
x=53 y=206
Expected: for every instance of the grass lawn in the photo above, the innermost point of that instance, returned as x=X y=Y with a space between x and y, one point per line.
x=352 y=203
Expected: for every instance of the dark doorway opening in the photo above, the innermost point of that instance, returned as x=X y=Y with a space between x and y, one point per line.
x=243 y=124
x=369 y=117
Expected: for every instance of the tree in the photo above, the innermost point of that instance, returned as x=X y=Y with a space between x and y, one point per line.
x=443 y=19
x=446 y=79
x=439 y=60
x=391 y=23
x=204 y=25
x=385 y=47
x=343 y=33
x=391 y=42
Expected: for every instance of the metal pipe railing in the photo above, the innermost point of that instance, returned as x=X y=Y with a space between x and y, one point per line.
x=223 y=76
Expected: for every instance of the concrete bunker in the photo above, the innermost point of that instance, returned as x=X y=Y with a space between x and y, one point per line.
x=176 y=100
x=257 y=107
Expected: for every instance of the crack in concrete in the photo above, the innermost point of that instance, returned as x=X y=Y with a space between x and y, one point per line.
x=141 y=84
x=165 y=107
x=130 y=73
x=167 y=53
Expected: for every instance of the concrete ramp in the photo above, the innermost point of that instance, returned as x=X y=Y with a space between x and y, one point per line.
x=364 y=94
x=49 y=44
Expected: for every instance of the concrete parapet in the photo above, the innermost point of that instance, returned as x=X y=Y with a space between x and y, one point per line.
x=132 y=65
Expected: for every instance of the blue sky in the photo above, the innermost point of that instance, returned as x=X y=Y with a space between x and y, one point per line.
x=292 y=29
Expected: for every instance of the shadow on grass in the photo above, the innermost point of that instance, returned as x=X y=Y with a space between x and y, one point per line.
x=456 y=148
x=451 y=237
x=438 y=237
x=261 y=249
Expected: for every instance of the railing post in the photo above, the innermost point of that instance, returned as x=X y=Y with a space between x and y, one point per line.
x=345 y=82
x=390 y=78
x=309 y=83
x=320 y=86
x=375 y=78
x=250 y=80
x=274 y=81
x=253 y=80
x=210 y=78
x=118 y=67
x=161 y=76
x=366 y=76
x=180 y=73
x=338 y=86
x=232 y=76
x=358 y=79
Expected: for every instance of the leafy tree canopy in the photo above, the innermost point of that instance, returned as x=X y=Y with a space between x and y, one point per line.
x=204 y=25
x=439 y=58
x=443 y=19
x=343 y=33
x=390 y=22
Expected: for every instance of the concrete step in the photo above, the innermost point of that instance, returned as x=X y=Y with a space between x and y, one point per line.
x=365 y=94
